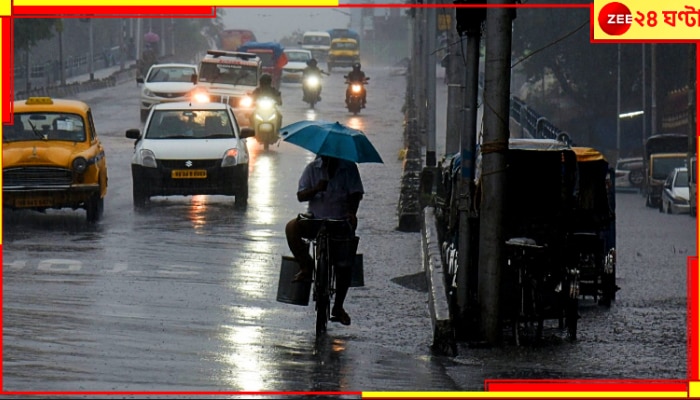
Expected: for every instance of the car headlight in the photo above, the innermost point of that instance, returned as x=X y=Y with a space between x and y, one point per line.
x=312 y=81
x=148 y=159
x=246 y=101
x=148 y=93
x=201 y=97
x=230 y=158
x=79 y=165
x=356 y=88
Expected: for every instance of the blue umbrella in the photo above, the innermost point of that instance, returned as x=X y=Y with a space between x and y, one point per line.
x=331 y=139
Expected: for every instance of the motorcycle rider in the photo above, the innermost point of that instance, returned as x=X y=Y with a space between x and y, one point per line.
x=312 y=69
x=356 y=76
x=265 y=89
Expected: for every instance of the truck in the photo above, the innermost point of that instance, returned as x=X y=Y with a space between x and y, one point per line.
x=318 y=43
x=662 y=154
x=271 y=55
x=229 y=77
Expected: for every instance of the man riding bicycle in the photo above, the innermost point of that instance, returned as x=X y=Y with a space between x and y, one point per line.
x=333 y=188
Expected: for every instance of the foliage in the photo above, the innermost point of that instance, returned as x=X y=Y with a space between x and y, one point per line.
x=29 y=31
x=555 y=44
x=196 y=35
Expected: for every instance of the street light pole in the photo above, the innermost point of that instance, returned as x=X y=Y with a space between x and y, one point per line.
x=91 y=67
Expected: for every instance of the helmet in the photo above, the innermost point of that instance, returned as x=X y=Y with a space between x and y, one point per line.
x=266 y=79
x=312 y=62
x=356 y=66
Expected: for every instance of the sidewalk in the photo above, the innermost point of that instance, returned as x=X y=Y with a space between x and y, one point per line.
x=104 y=77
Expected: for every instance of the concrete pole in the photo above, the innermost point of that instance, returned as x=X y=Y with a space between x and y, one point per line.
x=619 y=100
x=91 y=66
x=654 y=126
x=422 y=76
x=431 y=62
x=467 y=273
x=493 y=177
x=644 y=95
x=455 y=93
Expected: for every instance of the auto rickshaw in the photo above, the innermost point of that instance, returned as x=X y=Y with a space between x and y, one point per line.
x=592 y=237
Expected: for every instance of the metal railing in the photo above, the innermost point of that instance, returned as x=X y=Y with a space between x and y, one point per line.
x=532 y=124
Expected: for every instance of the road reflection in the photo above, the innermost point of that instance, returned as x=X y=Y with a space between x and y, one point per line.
x=197 y=213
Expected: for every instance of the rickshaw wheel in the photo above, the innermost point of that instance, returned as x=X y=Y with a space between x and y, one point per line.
x=572 y=318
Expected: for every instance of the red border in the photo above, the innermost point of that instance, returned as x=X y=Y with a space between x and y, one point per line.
x=656 y=386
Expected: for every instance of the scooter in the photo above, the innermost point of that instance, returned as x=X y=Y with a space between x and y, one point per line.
x=311 y=86
x=354 y=98
x=267 y=121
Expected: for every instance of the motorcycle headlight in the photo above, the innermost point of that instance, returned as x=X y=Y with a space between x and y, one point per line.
x=246 y=101
x=266 y=103
x=356 y=88
x=201 y=97
x=312 y=81
x=148 y=159
x=79 y=165
x=230 y=158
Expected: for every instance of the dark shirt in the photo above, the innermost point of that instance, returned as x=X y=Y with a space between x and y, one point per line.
x=268 y=91
x=312 y=71
x=356 y=76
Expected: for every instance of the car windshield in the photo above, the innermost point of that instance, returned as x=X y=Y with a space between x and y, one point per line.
x=317 y=40
x=230 y=74
x=45 y=126
x=664 y=166
x=681 y=180
x=344 y=46
x=190 y=124
x=298 y=56
x=170 y=74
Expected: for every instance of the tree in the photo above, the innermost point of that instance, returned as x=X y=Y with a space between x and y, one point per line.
x=28 y=31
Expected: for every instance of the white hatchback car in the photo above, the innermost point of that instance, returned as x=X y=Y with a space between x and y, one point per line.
x=675 y=196
x=165 y=83
x=190 y=149
x=296 y=62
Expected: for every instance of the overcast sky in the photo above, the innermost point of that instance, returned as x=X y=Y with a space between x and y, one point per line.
x=271 y=24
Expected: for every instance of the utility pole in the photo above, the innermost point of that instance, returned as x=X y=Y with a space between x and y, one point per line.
x=430 y=92
x=454 y=73
x=469 y=24
x=493 y=175
x=654 y=125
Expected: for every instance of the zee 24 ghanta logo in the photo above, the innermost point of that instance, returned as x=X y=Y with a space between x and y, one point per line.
x=615 y=19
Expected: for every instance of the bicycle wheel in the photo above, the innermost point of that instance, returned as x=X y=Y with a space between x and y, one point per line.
x=322 y=293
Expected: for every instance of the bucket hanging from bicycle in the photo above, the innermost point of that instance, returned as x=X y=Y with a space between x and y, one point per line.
x=344 y=255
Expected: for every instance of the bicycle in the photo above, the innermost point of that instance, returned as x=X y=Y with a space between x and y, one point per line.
x=326 y=258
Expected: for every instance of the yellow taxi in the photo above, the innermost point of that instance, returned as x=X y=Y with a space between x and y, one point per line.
x=52 y=158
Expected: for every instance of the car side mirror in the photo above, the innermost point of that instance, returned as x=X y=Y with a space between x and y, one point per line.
x=133 y=133
x=246 y=133
x=139 y=79
x=193 y=79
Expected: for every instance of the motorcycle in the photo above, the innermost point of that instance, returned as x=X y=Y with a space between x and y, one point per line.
x=311 y=86
x=354 y=96
x=267 y=121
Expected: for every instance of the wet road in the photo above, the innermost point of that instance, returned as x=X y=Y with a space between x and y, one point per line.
x=182 y=297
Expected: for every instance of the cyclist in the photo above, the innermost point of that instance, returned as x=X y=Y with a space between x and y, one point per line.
x=333 y=188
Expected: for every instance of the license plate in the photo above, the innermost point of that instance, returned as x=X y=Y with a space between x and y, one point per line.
x=34 y=202
x=188 y=174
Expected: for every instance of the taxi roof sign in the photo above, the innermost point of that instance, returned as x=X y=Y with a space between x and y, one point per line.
x=39 y=100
